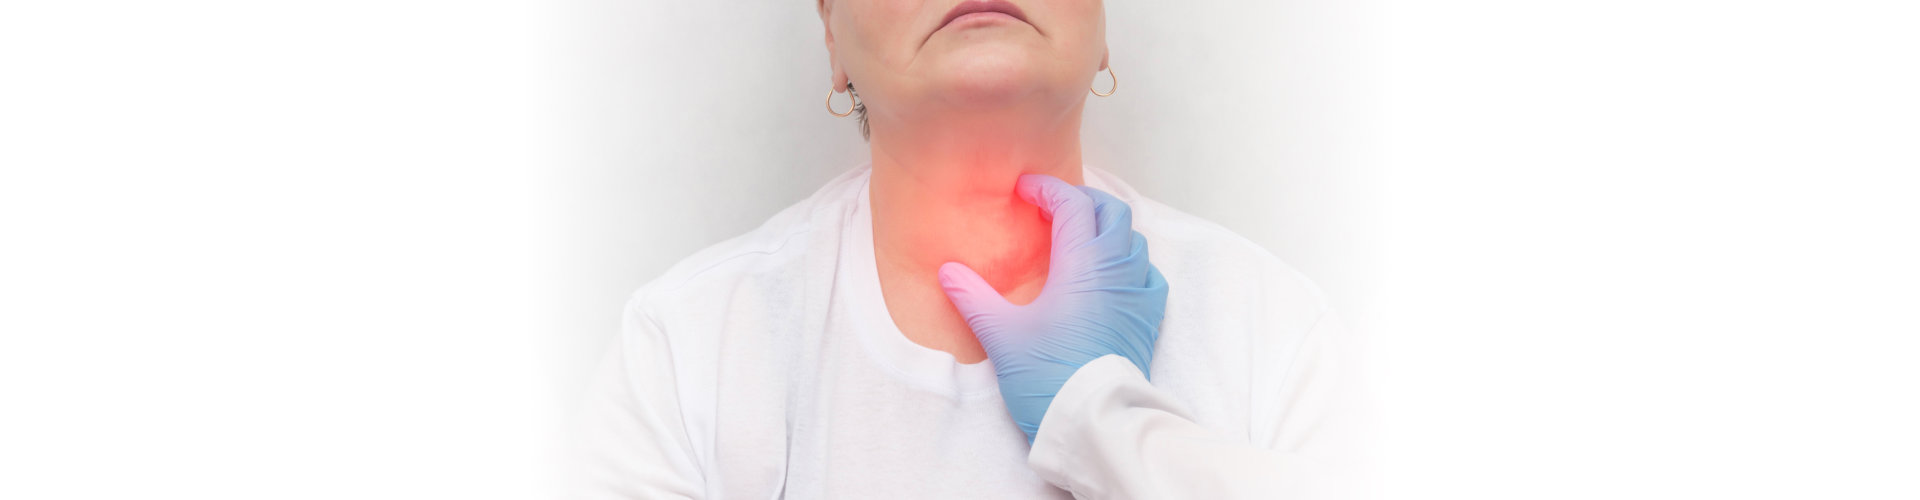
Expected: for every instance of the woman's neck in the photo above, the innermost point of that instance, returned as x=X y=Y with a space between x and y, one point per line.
x=952 y=200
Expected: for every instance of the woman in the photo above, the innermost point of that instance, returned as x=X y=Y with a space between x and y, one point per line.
x=819 y=356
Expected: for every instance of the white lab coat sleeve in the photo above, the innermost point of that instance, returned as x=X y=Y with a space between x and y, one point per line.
x=630 y=439
x=1109 y=434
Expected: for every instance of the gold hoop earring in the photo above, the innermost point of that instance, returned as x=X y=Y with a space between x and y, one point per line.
x=830 y=94
x=1111 y=90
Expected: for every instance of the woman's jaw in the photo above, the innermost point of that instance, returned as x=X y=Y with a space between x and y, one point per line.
x=980 y=152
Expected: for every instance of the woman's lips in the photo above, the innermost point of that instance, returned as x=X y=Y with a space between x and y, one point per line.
x=982 y=9
x=980 y=15
x=979 y=11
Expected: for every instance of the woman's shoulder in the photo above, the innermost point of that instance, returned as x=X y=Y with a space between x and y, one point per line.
x=768 y=257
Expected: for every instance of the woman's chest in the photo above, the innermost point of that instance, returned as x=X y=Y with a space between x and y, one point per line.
x=853 y=431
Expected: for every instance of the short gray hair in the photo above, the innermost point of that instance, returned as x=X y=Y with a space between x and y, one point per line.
x=860 y=112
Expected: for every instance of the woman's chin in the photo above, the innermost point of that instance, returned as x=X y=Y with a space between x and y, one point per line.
x=991 y=79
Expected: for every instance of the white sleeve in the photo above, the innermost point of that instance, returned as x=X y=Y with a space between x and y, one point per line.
x=631 y=441
x=1109 y=434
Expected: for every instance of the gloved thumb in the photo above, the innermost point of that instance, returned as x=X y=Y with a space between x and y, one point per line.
x=970 y=293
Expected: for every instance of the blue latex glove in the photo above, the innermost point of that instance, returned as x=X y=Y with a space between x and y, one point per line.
x=1101 y=297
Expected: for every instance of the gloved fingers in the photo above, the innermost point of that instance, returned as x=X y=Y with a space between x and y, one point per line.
x=1126 y=267
x=1135 y=314
x=1112 y=215
x=1156 y=291
x=1070 y=209
x=970 y=294
x=1155 y=280
x=1137 y=260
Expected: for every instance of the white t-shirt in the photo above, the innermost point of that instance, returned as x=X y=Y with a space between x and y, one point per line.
x=767 y=366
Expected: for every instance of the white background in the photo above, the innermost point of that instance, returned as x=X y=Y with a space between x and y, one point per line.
x=364 y=249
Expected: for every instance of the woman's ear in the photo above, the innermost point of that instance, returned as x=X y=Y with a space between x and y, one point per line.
x=839 y=83
x=1103 y=60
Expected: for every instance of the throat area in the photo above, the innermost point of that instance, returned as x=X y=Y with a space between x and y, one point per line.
x=1002 y=238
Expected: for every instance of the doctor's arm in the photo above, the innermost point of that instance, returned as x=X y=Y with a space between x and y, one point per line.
x=1110 y=434
x=631 y=440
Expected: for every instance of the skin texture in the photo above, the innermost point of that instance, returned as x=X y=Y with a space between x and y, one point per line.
x=958 y=113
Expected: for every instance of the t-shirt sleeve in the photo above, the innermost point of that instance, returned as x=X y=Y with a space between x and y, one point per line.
x=631 y=440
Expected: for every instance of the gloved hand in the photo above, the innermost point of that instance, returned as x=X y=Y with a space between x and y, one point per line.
x=1101 y=297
